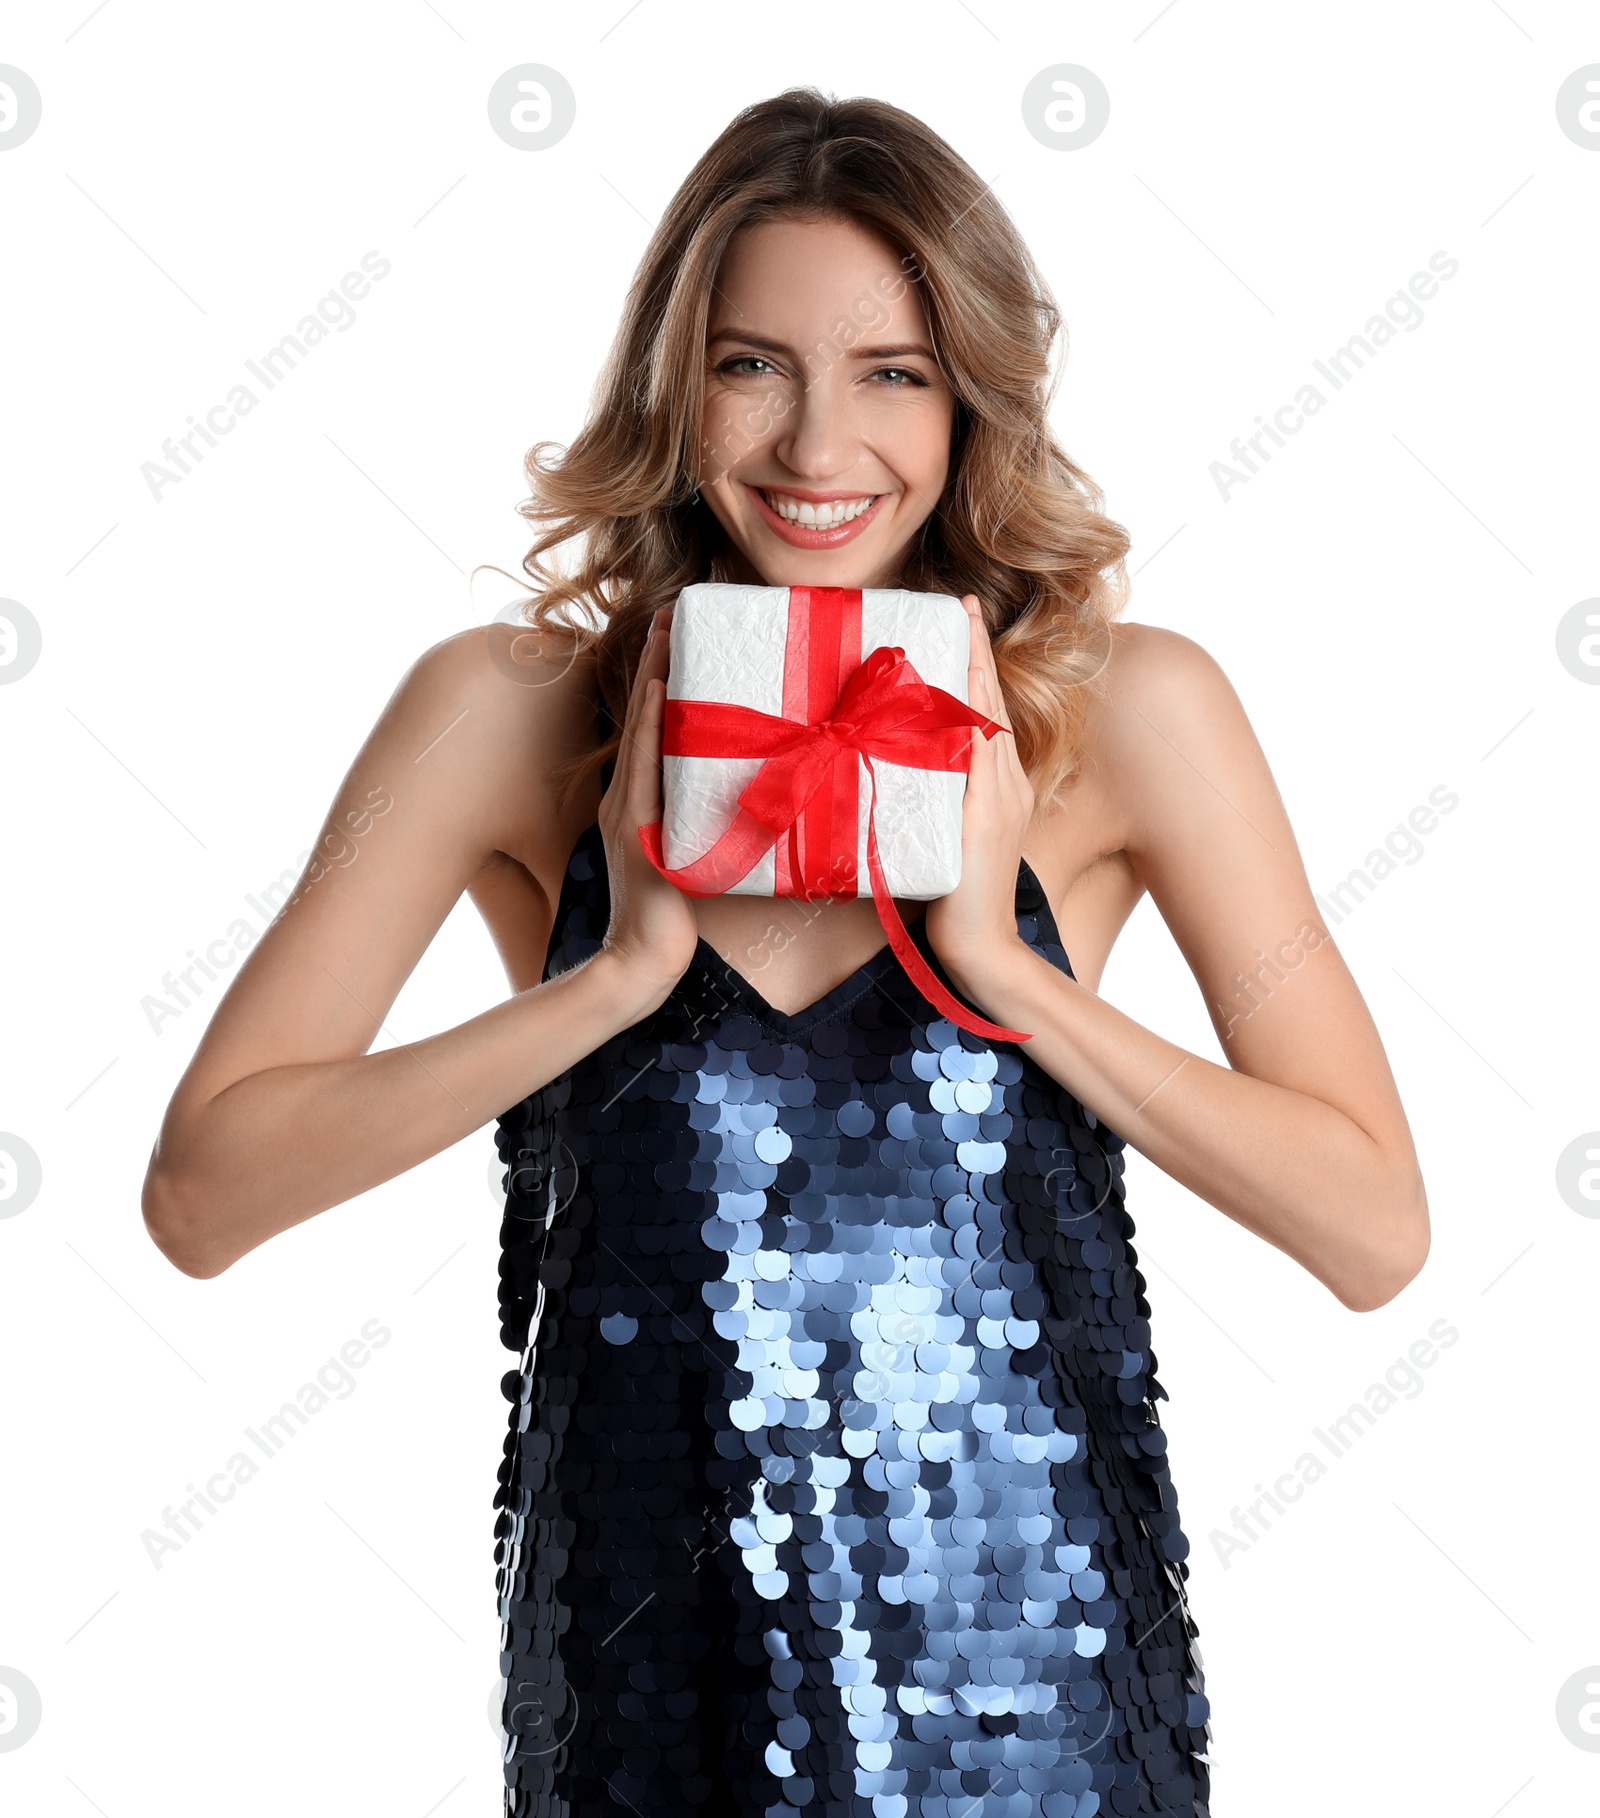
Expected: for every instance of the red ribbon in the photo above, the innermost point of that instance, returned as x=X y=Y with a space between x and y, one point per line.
x=804 y=800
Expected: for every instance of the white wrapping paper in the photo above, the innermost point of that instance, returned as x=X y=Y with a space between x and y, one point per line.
x=728 y=644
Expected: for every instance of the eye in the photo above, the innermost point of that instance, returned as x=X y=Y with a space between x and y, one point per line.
x=744 y=363
x=899 y=376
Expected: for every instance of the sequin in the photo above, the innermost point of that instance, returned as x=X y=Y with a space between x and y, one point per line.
x=833 y=1480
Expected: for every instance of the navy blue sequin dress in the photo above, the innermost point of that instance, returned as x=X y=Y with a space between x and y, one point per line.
x=834 y=1483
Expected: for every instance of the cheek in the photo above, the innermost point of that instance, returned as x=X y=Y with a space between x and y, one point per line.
x=922 y=445
x=732 y=425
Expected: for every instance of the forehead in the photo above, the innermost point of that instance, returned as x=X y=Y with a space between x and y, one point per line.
x=794 y=280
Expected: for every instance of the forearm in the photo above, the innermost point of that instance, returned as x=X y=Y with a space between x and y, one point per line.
x=279 y=1146
x=1289 y=1167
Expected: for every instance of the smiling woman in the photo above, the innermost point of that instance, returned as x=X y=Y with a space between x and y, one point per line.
x=834 y=1478
x=874 y=1275
x=777 y=349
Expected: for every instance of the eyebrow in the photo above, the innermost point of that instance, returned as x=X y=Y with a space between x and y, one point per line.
x=881 y=351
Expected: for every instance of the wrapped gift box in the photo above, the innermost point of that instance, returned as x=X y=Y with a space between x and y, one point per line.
x=788 y=652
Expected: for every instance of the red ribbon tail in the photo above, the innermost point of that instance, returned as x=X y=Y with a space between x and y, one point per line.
x=909 y=953
x=746 y=839
x=743 y=841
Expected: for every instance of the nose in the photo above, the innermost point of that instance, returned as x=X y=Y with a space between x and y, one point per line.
x=816 y=440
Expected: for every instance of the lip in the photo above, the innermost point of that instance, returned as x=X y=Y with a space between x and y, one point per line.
x=807 y=536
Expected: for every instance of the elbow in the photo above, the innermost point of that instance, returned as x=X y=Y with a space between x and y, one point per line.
x=176 y=1233
x=1391 y=1263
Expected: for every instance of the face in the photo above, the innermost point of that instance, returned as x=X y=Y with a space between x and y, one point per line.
x=825 y=440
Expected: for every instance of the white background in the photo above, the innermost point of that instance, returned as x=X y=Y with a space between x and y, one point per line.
x=1384 y=596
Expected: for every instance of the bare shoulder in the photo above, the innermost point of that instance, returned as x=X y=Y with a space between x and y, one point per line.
x=513 y=678
x=1163 y=723
x=515 y=704
x=1152 y=666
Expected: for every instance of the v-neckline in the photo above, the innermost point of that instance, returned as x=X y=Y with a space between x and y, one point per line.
x=855 y=985
x=839 y=998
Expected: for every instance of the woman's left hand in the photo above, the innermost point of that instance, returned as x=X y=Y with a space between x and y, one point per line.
x=975 y=927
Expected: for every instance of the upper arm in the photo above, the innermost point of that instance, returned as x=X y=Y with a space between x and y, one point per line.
x=1204 y=826
x=455 y=768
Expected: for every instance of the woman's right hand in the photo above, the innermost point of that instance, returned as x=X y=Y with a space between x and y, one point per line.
x=653 y=924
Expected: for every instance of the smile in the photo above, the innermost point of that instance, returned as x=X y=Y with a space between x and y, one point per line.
x=823 y=515
x=816 y=523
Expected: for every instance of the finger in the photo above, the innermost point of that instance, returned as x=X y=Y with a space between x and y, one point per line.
x=982 y=644
x=974 y=642
x=999 y=773
x=994 y=704
x=981 y=768
x=977 y=631
x=660 y=628
x=633 y=800
x=1007 y=776
x=646 y=765
x=642 y=674
x=653 y=667
x=635 y=695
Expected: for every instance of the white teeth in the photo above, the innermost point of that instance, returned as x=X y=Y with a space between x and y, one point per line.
x=817 y=517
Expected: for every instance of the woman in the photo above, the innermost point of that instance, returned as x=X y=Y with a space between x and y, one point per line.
x=833 y=1472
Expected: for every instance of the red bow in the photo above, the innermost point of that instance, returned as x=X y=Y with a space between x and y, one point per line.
x=886 y=710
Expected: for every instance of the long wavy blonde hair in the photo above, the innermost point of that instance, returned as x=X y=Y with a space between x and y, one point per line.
x=1019 y=523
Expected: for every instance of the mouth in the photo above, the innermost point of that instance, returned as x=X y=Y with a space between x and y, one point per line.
x=809 y=522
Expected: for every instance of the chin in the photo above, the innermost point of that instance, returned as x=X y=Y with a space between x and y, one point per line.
x=790 y=574
x=781 y=566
